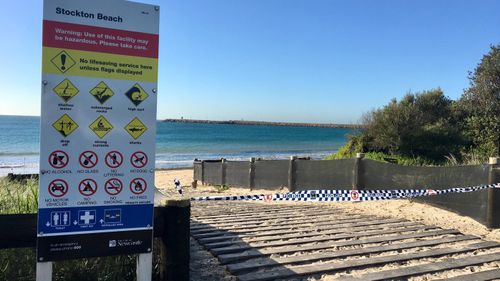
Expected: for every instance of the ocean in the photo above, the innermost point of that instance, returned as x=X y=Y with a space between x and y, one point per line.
x=178 y=144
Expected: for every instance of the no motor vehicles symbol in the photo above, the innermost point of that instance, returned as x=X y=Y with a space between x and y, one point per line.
x=58 y=188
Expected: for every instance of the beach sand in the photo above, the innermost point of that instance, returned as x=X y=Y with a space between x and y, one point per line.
x=403 y=209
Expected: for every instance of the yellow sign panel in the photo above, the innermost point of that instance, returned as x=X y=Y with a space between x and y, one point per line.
x=136 y=94
x=66 y=90
x=103 y=65
x=101 y=126
x=101 y=92
x=62 y=61
x=65 y=125
x=136 y=128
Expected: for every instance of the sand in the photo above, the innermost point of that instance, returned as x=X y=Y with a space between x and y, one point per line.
x=405 y=208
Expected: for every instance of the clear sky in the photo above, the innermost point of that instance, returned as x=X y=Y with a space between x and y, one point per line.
x=281 y=60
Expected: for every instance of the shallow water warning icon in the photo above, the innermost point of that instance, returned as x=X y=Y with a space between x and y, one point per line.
x=136 y=128
x=65 y=125
x=63 y=61
x=101 y=126
x=66 y=90
x=102 y=92
x=136 y=94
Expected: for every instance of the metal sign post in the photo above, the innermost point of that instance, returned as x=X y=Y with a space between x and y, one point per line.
x=98 y=129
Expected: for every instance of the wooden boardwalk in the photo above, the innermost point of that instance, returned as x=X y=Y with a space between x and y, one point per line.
x=274 y=241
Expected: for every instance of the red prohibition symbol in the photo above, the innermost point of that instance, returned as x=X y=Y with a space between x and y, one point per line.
x=354 y=195
x=138 y=159
x=138 y=186
x=113 y=186
x=88 y=159
x=58 y=188
x=58 y=159
x=87 y=187
x=114 y=159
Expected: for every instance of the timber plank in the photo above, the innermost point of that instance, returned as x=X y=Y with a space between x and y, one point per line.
x=298 y=241
x=253 y=265
x=228 y=258
x=477 y=276
x=427 y=268
x=309 y=233
x=336 y=266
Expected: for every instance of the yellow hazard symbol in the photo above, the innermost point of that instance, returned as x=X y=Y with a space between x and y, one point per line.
x=136 y=94
x=101 y=126
x=102 y=92
x=66 y=90
x=63 y=61
x=136 y=128
x=65 y=125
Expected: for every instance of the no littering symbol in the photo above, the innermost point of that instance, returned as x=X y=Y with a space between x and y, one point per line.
x=58 y=159
x=114 y=159
x=139 y=159
x=88 y=159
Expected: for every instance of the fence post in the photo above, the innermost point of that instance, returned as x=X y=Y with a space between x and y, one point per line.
x=202 y=172
x=493 y=209
x=175 y=249
x=356 y=179
x=291 y=173
x=251 y=174
x=223 y=171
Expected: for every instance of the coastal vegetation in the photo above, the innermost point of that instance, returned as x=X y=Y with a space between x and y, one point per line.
x=428 y=128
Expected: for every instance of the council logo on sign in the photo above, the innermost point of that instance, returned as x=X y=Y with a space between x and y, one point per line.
x=136 y=128
x=65 y=125
x=101 y=126
x=63 y=61
x=101 y=92
x=66 y=90
x=136 y=94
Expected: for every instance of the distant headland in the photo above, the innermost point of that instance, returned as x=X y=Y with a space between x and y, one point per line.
x=265 y=123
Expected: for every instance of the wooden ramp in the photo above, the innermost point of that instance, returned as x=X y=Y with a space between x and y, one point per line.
x=294 y=241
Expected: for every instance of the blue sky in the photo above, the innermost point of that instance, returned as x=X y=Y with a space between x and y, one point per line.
x=282 y=60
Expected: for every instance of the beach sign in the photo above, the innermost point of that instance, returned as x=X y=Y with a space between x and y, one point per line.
x=98 y=124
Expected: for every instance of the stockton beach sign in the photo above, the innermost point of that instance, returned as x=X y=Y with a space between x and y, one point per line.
x=98 y=125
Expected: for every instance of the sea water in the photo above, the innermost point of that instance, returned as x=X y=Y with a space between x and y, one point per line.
x=178 y=144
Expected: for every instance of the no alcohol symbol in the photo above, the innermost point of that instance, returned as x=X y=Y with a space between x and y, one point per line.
x=58 y=159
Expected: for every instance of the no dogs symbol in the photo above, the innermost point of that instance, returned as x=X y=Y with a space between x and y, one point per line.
x=139 y=159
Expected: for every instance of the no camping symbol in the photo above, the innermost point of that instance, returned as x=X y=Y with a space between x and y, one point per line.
x=58 y=188
x=88 y=159
x=138 y=159
x=114 y=159
x=58 y=159
x=113 y=186
x=138 y=186
x=87 y=187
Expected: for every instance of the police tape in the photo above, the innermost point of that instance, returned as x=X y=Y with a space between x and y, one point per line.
x=345 y=195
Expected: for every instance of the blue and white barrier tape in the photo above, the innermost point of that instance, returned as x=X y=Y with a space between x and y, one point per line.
x=346 y=195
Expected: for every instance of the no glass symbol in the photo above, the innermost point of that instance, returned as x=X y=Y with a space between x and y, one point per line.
x=88 y=159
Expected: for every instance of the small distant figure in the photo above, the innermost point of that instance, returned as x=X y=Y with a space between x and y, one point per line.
x=178 y=186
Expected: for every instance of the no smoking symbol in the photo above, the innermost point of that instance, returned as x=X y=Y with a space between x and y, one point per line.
x=114 y=159
x=139 y=159
x=58 y=188
x=88 y=159
x=87 y=187
x=113 y=186
x=58 y=159
x=138 y=186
